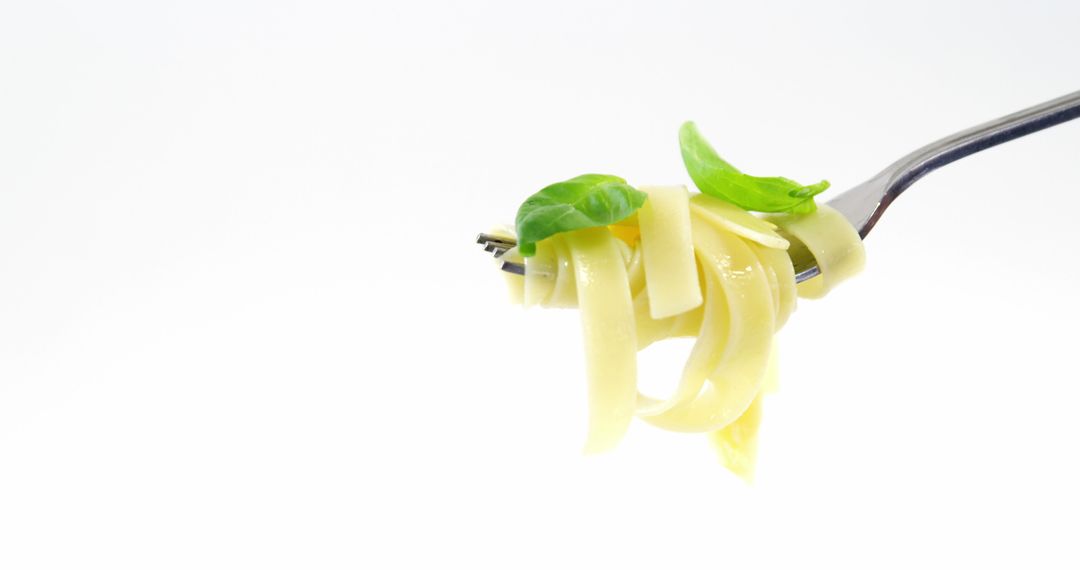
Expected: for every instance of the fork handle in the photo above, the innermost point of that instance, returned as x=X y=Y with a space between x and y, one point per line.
x=864 y=204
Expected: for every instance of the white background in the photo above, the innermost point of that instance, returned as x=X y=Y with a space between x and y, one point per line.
x=243 y=323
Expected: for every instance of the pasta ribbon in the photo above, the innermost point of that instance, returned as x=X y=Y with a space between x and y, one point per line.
x=607 y=318
x=834 y=243
x=668 y=249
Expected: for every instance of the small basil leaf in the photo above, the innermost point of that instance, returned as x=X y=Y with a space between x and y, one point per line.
x=586 y=201
x=716 y=177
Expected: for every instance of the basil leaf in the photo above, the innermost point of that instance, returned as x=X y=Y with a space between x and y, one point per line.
x=716 y=177
x=586 y=201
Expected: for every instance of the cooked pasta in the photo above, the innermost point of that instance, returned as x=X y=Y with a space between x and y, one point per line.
x=685 y=267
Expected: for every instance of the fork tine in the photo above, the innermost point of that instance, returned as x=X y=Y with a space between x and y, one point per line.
x=515 y=268
x=490 y=239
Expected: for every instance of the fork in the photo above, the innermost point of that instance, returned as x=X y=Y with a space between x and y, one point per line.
x=864 y=204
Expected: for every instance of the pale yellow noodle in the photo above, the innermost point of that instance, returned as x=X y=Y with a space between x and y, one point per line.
x=564 y=293
x=635 y=271
x=607 y=317
x=540 y=271
x=834 y=243
x=736 y=443
x=668 y=249
x=778 y=262
x=770 y=276
x=734 y=219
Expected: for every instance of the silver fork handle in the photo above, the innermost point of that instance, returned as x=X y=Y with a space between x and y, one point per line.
x=864 y=204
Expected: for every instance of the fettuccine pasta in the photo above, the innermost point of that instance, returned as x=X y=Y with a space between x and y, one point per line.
x=686 y=267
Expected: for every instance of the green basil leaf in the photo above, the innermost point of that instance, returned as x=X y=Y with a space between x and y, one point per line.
x=586 y=201
x=716 y=177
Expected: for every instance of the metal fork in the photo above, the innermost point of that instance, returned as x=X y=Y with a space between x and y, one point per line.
x=864 y=204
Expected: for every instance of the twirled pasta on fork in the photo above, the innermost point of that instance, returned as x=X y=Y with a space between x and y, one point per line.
x=655 y=262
